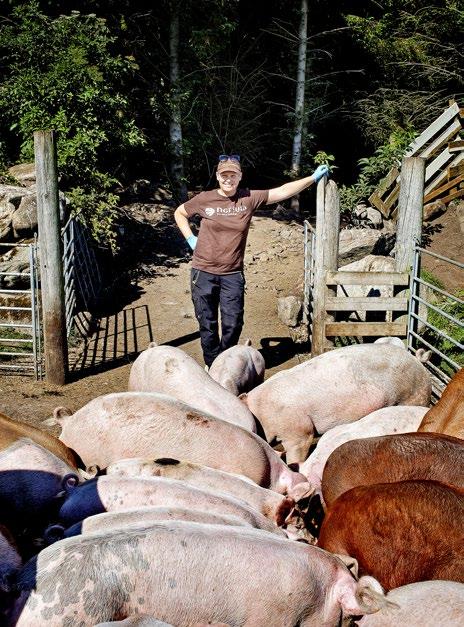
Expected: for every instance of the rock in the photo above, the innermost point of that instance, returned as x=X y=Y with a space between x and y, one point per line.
x=370 y=263
x=361 y=211
x=433 y=210
x=15 y=260
x=289 y=310
x=354 y=244
x=24 y=220
x=375 y=217
x=24 y=173
x=10 y=199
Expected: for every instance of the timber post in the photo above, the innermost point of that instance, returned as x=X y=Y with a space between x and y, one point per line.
x=410 y=209
x=327 y=234
x=51 y=264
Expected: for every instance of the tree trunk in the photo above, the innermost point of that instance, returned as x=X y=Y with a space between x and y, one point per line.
x=175 y=126
x=300 y=98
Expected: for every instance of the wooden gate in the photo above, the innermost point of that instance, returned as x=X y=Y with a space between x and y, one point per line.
x=327 y=291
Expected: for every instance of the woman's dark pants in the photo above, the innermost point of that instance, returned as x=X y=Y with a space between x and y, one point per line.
x=213 y=292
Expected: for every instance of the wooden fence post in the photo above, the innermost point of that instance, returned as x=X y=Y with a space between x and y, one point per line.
x=327 y=237
x=51 y=264
x=410 y=208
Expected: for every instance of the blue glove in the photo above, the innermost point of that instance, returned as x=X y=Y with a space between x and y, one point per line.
x=192 y=241
x=319 y=172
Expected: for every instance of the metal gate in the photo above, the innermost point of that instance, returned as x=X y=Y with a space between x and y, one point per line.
x=20 y=340
x=436 y=320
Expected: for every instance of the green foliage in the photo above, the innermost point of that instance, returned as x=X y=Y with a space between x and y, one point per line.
x=10 y=347
x=323 y=158
x=63 y=74
x=452 y=329
x=373 y=169
x=414 y=63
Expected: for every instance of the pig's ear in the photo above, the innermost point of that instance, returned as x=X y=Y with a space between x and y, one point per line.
x=350 y=562
x=301 y=491
x=244 y=398
x=89 y=473
x=152 y=345
x=247 y=342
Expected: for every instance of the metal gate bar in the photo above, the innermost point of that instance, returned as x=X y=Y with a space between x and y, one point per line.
x=33 y=359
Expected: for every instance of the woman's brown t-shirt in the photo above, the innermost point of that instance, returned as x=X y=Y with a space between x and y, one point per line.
x=225 y=222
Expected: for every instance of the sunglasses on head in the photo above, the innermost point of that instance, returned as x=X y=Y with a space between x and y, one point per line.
x=231 y=157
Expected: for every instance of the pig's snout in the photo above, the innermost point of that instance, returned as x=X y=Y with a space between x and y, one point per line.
x=69 y=482
x=53 y=534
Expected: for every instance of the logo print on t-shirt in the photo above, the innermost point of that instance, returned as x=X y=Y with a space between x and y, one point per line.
x=210 y=211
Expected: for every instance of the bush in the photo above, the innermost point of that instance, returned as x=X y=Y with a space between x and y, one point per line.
x=61 y=73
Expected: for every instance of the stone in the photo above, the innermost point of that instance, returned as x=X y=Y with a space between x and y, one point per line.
x=16 y=260
x=10 y=199
x=354 y=244
x=375 y=217
x=289 y=310
x=433 y=210
x=24 y=221
x=24 y=173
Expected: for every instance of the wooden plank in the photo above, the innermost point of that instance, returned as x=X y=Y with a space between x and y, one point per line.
x=392 y=198
x=366 y=303
x=456 y=146
x=432 y=130
x=438 y=163
x=444 y=188
x=456 y=170
x=368 y=329
x=458 y=194
x=442 y=139
x=377 y=202
x=410 y=209
x=367 y=278
x=386 y=182
x=319 y=289
x=444 y=174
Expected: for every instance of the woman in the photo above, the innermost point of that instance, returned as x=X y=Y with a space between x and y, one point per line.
x=217 y=280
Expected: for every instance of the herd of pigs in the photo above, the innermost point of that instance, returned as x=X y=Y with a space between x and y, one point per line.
x=168 y=505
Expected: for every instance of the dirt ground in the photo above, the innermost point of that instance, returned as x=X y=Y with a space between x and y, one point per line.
x=159 y=308
x=274 y=267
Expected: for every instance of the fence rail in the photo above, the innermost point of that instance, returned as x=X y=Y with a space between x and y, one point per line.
x=18 y=353
x=423 y=333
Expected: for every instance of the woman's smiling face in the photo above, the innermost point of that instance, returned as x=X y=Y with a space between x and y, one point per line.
x=228 y=182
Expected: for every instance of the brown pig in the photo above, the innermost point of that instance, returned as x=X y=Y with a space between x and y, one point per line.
x=391 y=458
x=336 y=388
x=168 y=370
x=399 y=532
x=447 y=415
x=141 y=424
x=187 y=573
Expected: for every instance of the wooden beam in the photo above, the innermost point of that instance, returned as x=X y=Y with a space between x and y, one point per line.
x=444 y=174
x=410 y=209
x=432 y=130
x=438 y=163
x=456 y=146
x=442 y=139
x=366 y=303
x=365 y=329
x=51 y=264
x=458 y=194
x=443 y=188
x=367 y=278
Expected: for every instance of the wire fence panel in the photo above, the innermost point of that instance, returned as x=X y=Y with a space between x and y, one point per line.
x=82 y=279
x=436 y=321
x=20 y=332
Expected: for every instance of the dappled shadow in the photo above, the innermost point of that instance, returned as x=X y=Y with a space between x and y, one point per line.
x=278 y=350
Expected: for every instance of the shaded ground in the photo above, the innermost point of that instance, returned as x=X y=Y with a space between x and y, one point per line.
x=159 y=307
